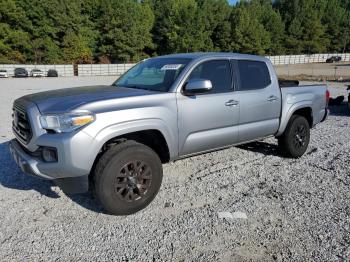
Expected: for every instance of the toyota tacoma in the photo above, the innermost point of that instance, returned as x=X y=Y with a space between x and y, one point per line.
x=114 y=139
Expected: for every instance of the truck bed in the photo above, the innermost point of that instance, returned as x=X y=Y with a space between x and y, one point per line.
x=311 y=96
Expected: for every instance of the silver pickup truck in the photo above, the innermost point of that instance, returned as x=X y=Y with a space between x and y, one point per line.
x=114 y=139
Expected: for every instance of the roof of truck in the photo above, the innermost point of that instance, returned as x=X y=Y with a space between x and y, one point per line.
x=216 y=54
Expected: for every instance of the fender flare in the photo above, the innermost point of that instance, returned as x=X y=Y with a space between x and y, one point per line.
x=286 y=116
x=120 y=129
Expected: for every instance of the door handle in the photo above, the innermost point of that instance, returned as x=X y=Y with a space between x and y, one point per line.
x=272 y=98
x=232 y=103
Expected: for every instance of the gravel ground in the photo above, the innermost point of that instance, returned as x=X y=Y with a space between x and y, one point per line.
x=297 y=210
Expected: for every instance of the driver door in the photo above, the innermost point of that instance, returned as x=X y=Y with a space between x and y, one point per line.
x=209 y=120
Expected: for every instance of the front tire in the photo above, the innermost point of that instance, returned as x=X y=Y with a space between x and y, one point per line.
x=295 y=139
x=127 y=178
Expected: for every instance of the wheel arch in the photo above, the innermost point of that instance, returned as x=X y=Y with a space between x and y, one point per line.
x=157 y=137
x=152 y=138
x=305 y=112
x=302 y=109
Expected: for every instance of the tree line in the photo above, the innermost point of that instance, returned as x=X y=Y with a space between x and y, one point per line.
x=104 y=31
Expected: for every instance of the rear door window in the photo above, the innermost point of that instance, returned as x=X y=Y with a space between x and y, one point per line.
x=253 y=75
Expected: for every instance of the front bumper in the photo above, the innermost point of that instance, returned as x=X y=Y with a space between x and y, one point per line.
x=29 y=165
x=26 y=162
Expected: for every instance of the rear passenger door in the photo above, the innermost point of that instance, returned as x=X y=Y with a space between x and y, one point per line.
x=260 y=100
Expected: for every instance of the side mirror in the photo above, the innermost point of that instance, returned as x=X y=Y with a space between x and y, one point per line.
x=197 y=86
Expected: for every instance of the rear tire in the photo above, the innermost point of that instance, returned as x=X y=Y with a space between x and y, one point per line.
x=127 y=178
x=295 y=139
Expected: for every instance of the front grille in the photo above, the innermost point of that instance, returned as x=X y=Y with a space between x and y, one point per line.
x=20 y=124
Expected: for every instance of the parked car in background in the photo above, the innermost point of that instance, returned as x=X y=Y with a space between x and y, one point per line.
x=115 y=138
x=20 y=72
x=333 y=59
x=52 y=73
x=36 y=73
x=3 y=73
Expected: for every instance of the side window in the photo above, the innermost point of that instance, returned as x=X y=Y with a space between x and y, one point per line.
x=218 y=72
x=253 y=75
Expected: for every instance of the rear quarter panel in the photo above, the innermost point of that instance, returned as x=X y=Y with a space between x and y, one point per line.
x=295 y=98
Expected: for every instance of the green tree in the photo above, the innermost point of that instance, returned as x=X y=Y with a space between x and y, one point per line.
x=14 y=41
x=337 y=27
x=248 y=34
x=305 y=31
x=272 y=23
x=51 y=21
x=125 y=30
x=216 y=14
x=50 y=31
x=76 y=49
x=180 y=27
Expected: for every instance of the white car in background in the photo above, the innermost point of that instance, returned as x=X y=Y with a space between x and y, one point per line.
x=3 y=73
x=36 y=73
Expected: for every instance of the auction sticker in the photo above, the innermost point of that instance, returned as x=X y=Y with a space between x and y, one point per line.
x=171 y=67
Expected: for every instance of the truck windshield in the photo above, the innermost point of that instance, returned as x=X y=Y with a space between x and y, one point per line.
x=155 y=74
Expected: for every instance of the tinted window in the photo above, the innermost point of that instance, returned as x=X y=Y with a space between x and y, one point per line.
x=218 y=72
x=253 y=75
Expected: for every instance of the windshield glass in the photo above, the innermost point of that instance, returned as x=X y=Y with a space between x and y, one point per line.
x=155 y=74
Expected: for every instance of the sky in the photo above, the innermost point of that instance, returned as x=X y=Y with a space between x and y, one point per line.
x=232 y=2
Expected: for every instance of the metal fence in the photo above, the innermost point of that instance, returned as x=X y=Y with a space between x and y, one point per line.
x=62 y=70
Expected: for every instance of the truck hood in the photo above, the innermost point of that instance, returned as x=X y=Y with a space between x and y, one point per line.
x=63 y=100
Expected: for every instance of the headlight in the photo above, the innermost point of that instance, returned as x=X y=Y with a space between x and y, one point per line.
x=68 y=122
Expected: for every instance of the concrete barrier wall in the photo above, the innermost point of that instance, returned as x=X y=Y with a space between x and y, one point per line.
x=103 y=69
x=119 y=69
x=330 y=71
x=305 y=59
x=62 y=70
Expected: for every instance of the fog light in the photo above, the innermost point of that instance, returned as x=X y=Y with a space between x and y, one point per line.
x=49 y=154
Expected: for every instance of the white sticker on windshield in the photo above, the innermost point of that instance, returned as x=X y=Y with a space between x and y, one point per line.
x=171 y=67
